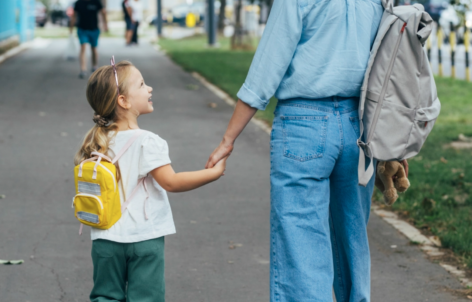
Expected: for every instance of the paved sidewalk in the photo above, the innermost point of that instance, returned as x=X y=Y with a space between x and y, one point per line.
x=44 y=115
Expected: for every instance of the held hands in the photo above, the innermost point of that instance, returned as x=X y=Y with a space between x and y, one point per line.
x=220 y=167
x=223 y=151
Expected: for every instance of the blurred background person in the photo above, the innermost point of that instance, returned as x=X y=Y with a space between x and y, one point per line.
x=128 y=13
x=87 y=30
x=137 y=16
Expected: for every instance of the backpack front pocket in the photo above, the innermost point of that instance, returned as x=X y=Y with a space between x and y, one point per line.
x=88 y=209
x=304 y=136
x=390 y=136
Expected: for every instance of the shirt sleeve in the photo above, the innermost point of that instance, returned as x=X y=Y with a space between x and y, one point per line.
x=274 y=53
x=154 y=154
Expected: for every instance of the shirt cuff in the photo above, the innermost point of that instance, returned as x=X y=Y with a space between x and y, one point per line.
x=249 y=97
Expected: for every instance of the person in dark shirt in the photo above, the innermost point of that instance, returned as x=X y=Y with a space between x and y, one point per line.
x=128 y=13
x=87 y=29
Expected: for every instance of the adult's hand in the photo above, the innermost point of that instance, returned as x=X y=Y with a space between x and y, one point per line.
x=105 y=21
x=222 y=151
x=241 y=116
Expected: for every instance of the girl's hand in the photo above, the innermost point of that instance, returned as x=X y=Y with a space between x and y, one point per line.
x=222 y=151
x=220 y=167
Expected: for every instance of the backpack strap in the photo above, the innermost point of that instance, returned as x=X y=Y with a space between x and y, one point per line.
x=127 y=145
x=97 y=156
x=364 y=174
x=388 y=5
x=142 y=182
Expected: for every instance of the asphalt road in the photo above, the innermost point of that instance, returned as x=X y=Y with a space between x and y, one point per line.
x=44 y=115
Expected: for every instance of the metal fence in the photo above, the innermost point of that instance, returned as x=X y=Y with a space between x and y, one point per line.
x=447 y=56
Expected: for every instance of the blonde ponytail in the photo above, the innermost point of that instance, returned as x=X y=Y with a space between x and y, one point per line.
x=102 y=95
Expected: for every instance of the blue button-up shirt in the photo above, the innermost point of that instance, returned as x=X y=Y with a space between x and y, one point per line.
x=312 y=49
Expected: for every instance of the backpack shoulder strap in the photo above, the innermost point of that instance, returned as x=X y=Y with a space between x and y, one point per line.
x=127 y=145
x=141 y=182
x=388 y=5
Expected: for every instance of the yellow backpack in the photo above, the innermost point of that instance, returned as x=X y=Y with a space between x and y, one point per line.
x=97 y=201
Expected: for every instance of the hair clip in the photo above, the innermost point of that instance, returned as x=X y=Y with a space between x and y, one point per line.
x=112 y=62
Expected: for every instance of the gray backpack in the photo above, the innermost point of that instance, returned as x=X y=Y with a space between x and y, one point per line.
x=399 y=103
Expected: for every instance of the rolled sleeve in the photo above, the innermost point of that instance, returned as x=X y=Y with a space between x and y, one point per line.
x=251 y=98
x=274 y=54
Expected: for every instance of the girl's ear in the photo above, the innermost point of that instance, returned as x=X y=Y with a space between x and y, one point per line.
x=123 y=102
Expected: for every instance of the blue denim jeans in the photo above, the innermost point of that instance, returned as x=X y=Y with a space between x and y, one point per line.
x=319 y=213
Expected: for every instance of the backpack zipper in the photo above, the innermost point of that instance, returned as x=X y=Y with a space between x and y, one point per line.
x=90 y=195
x=113 y=176
x=384 y=88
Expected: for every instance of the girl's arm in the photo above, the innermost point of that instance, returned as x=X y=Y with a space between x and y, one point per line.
x=186 y=181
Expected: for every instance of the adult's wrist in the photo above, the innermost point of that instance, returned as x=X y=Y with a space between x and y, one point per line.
x=227 y=141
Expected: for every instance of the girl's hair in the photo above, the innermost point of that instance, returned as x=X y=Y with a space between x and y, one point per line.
x=102 y=95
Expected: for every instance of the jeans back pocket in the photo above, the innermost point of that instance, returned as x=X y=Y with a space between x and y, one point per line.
x=304 y=136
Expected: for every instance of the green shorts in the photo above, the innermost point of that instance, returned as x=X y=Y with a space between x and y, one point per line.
x=128 y=271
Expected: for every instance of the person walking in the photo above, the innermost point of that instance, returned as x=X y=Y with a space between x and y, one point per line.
x=313 y=56
x=128 y=13
x=137 y=16
x=87 y=30
x=128 y=258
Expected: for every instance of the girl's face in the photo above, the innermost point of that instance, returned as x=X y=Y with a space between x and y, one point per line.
x=139 y=94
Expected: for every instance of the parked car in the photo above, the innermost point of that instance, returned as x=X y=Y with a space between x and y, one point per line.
x=41 y=14
x=432 y=7
x=178 y=14
x=152 y=20
x=61 y=11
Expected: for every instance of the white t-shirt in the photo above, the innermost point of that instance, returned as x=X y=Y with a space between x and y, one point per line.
x=147 y=153
x=137 y=10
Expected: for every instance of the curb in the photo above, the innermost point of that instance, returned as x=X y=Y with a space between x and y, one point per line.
x=15 y=50
x=428 y=245
x=35 y=43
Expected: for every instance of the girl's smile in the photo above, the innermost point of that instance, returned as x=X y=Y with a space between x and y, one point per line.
x=139 y=94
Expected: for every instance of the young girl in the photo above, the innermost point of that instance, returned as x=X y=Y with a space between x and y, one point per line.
x=128 y=258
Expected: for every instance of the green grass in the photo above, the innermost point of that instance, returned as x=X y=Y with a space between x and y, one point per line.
x=225 y=68
x=438 y=173
x=52 y=32
x=445 y=174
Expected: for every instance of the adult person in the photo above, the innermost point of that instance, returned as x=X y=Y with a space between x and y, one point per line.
x=313 y=56
x=128 y=13
x=87 y=30
x=137 y=7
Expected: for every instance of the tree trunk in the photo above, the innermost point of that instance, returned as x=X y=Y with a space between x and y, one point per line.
x=238 y=30
x=221 y=17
